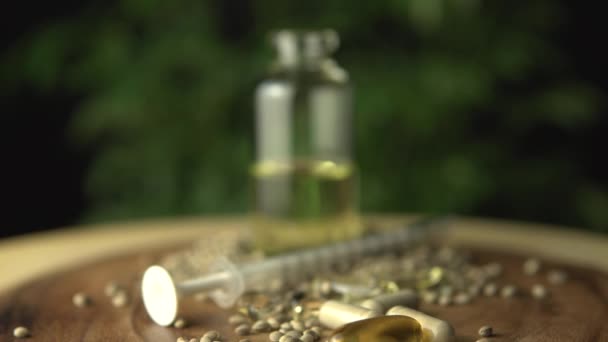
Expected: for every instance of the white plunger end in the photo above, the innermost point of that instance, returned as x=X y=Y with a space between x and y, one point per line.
x=159 y=295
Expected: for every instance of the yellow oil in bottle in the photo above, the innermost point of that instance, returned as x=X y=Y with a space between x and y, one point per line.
x=381 y=329
x=303 y=203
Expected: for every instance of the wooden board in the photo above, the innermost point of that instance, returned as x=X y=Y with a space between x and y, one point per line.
x=576 y=311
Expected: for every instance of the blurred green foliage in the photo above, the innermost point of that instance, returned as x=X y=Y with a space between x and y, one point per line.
x=448 y=94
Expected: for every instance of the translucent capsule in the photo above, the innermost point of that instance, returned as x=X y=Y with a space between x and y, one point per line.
x=433 y=328
x=382 y=303
x=334 y=314
x=380 y=329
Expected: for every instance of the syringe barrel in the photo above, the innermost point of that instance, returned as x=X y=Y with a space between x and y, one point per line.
x=294 y=267
x=297 y=266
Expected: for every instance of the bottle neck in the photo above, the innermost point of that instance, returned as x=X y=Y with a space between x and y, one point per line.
x=303 y=50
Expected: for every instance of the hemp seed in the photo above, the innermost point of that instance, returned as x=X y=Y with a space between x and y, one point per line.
x=80 y=300
x=242 y=330
x=120 y=299
x=539 y=291
x=21 y=332
x=260 y=326
x=286 y=338
x=490 y=290
x=307 y=338
x=111 y=288
x=462 y=298
x=212 y=335
x=531 y=266
x=237 y=319
x=297 y=325
x=486 y=331
x=557 y=277
x=312 y=333
x=445 y=300
x=318 y=330
x=508 y=291
x=294 y=334
x=430 y=297
x=311 y=322
x=179 y=323
x=493 y=269
x=474 y=290
x=273 y=322
x=275 y=336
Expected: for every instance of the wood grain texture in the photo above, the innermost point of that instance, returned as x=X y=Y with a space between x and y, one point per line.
x=575 y=311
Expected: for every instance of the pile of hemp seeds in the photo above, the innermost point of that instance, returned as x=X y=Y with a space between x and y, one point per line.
x=439 y=275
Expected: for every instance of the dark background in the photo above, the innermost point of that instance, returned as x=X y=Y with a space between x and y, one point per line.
x=519 y=140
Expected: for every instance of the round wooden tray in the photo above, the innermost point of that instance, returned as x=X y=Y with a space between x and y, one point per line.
x=43 y=271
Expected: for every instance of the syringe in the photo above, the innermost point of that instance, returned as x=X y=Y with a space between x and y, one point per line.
x=226 y=281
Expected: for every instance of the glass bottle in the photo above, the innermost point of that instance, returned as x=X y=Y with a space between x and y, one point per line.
x=304 y=183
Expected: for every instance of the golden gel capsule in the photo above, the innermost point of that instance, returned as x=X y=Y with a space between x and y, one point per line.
x=380 y=329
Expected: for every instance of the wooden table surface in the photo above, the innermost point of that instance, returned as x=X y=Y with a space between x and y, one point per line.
x=41 y=272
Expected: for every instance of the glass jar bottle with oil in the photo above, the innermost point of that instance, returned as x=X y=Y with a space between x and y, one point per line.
x=304 y=182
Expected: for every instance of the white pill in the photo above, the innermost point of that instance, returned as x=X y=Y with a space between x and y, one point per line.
x=382 y=303
x=441 y=331
x=334 y=314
